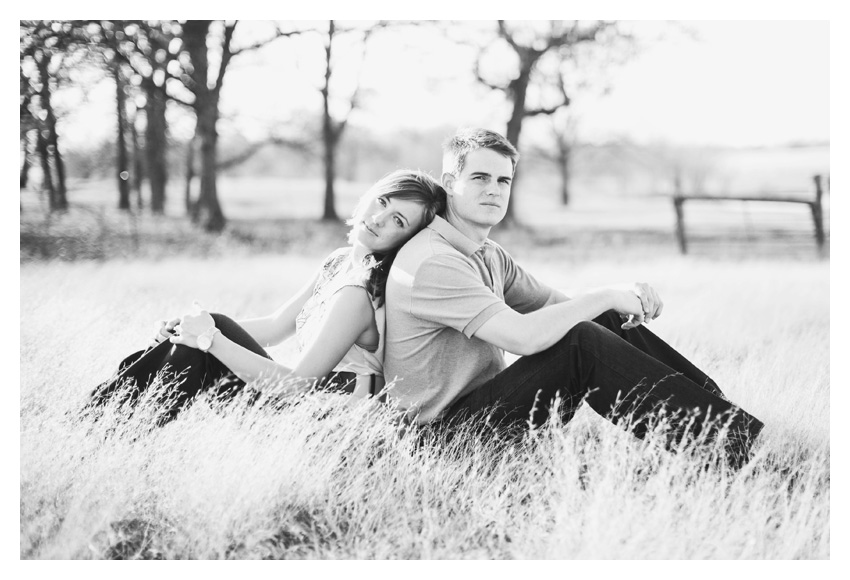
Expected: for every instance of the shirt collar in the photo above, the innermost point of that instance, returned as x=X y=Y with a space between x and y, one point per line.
x=459 y=241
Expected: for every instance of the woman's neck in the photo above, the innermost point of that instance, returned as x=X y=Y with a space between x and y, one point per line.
x=358 y=253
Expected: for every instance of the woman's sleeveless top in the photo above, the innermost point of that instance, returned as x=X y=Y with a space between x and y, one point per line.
x=336 y=273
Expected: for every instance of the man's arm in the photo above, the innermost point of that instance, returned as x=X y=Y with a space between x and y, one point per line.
x=526 y=334
x=649 y=299
x=525 y=294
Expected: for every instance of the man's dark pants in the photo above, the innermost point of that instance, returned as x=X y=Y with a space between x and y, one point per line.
x=620 y=373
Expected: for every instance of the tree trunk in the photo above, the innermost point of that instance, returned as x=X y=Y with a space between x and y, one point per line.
x=329 y=210
x=46 y=173
x=138 y=166
x=329 y=135
x=564 y=167
x=25 y=167
x=123 y=169
x=207 y=211
x=59 y=200
x=518 y=91
x=156 y=143
x=190 y=173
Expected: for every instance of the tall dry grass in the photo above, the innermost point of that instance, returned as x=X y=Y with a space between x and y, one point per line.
x=322 y=479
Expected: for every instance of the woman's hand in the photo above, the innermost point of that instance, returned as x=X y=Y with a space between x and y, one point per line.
x=164 y=330
x=191 y=326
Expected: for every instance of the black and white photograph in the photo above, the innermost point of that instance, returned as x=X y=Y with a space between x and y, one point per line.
x=425 y=289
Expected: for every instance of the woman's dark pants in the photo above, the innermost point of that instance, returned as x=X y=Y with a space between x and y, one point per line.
x=185 y=371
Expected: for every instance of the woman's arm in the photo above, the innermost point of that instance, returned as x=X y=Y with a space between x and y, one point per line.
x=277 y=327
x=349 y=314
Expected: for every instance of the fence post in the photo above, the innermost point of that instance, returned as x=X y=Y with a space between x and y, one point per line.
x=817 y=214
x=678 y=202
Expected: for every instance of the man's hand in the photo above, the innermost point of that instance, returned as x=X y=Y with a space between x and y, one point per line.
x=650 y=301
x=639 y=303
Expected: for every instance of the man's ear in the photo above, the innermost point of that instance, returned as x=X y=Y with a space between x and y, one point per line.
x=447 y=180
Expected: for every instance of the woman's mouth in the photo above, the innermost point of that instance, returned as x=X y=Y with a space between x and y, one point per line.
x=368 y=229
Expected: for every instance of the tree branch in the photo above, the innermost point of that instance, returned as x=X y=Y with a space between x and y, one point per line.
x=504 y=33
x=226 y=55
x=261 y=43
x=180 y=101
x=476 y=69
x=256 y=147
x=545 y=110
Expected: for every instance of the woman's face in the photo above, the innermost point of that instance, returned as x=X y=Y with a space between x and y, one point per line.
x=385 y=223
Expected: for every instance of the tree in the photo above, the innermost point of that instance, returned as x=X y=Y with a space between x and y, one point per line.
x=562 y=129
x=206 y=94
x=28 y=126
x=44 y=48
x=202 y=39
x=138 y=52
x=123 y=165
x=542 y=54
x=333 y=128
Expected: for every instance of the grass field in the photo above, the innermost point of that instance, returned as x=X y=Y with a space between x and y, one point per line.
x=321 y=479
x=262 y=483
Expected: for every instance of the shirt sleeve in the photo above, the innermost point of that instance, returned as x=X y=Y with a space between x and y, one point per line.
x=447 y=291
x=523 y=292
x=358 y=277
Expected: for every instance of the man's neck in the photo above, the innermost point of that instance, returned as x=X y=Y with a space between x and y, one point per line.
x=475 y=233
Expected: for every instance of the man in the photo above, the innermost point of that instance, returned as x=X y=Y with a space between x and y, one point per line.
x=456 y=301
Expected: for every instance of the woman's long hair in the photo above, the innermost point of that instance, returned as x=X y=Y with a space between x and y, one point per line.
x=407 y=184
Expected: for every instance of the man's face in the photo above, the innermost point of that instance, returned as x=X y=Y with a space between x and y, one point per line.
x=479 y=196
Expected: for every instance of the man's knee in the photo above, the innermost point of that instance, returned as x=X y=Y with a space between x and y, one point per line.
x=610 y=319
x=581 y=332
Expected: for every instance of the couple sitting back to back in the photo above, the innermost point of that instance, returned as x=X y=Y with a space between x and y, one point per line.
x=423 y=298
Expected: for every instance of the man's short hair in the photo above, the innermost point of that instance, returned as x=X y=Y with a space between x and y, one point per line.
x=458 y=146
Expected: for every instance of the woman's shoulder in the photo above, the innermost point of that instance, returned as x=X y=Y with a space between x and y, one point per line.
x=333 y=261
x=338 y=255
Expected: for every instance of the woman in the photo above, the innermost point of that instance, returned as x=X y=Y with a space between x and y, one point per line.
x=337 y=317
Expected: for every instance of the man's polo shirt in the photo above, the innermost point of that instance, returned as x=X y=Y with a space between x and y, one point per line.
x=442 y=287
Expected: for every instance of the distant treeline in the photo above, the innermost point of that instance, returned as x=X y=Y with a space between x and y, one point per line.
x=618 y=167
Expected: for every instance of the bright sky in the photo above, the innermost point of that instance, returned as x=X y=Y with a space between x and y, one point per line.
x=729 y=83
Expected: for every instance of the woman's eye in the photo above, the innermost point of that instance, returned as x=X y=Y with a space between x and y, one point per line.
x=399 y=223
x=382 y=201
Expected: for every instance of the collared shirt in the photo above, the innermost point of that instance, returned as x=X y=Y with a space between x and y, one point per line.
x=441 y=289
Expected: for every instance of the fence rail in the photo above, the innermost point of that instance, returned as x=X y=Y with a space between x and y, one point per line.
x=814 y=202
